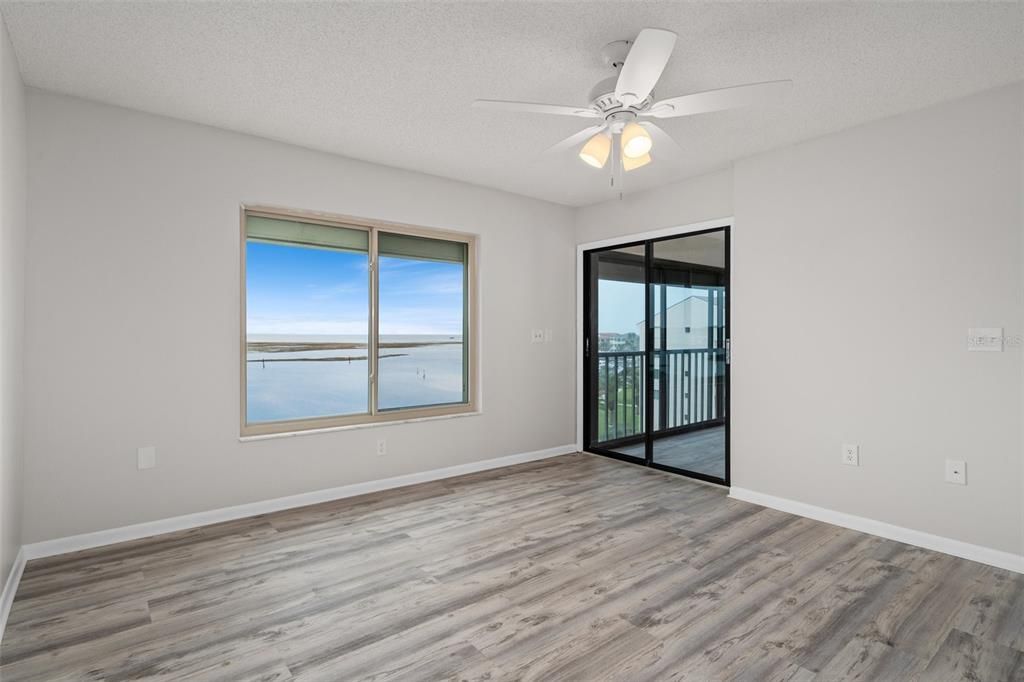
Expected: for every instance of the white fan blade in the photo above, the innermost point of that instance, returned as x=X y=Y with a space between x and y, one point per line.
x=535 y=108
x=717 y=100
x=643 y=66
x=573 y=140
x=662 y=143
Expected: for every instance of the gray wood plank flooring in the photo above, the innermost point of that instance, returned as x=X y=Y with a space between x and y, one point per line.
x=574 y=568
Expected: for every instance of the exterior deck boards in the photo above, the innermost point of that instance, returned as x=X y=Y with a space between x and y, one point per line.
x=702 y=451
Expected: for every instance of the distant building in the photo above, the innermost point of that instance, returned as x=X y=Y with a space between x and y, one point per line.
x=616 y=342
x=687 y=323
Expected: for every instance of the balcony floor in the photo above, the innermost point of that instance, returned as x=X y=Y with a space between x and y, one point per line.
x=700 y=451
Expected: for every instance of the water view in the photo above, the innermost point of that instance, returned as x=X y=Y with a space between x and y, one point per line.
x=297 y=377
x=308 y=322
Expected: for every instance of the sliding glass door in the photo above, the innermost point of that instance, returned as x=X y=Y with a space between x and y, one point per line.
x=688 y=284
x=618 y=371
x=655 y=349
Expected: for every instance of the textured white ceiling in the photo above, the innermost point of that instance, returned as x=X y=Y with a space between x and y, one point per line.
x=393 y=82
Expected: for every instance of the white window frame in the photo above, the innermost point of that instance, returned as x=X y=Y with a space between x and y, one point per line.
x=374 y=416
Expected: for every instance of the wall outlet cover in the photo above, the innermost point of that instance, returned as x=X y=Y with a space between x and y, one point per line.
x=956 y=471
x=537 y=336
x=851 y=454
x=147 y=457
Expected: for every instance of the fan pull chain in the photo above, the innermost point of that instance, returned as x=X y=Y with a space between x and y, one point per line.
x=616 y=169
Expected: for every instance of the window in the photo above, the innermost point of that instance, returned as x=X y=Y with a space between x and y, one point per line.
x=347 y=321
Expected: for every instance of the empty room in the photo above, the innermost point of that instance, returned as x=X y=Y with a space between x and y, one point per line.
x=511 y=340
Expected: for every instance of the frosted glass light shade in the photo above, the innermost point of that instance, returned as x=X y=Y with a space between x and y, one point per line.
x=595 y=152
x=632 y=164
x=636 y=141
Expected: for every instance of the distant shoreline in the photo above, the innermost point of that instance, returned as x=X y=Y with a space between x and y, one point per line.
x=302 y=346
x=336 y=358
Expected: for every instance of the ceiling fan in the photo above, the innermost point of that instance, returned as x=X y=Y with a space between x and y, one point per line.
x=622 y=104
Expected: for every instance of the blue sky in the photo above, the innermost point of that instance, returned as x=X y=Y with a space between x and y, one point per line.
x=295 y=290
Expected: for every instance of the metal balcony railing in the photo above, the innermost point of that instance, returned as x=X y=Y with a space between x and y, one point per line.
x=689 y=390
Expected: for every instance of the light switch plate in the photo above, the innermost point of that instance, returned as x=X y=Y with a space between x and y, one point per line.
x=985 y=339
x=147 y=457
x=956 y=471
x=851 y=455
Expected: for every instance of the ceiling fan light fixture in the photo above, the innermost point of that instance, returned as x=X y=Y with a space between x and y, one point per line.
x=617 y=103
x=636 y=141
x=595 y=152
x=629 y=164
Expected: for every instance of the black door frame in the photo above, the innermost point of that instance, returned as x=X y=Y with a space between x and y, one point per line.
x=590 y=356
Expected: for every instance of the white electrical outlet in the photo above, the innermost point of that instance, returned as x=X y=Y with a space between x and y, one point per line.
x=851 y=455
x=956 y=471
x=537 y=336
x=382 y=446
x=147 y=457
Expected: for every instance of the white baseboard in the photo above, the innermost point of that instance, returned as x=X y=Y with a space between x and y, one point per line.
x=137 y=531
x=964 y=550
x=10 y=587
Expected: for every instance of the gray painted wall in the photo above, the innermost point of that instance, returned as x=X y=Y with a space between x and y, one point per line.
x=860 y=260
x=911 y=226
x=692 y=201
x=889 y=240
x=12 y=297
x=133 y=318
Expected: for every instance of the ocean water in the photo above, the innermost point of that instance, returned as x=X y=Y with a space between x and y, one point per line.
x=417 y=370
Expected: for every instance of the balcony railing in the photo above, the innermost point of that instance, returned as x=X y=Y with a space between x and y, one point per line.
x=689 y=390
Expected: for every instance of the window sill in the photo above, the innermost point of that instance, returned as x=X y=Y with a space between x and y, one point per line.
x=351 y=427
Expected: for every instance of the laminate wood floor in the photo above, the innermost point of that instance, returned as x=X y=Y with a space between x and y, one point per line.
x=574 y=568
